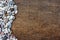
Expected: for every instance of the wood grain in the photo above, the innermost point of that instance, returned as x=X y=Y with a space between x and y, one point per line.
x=37 y=20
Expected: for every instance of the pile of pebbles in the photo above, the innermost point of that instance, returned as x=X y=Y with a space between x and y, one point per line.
x=8 y=10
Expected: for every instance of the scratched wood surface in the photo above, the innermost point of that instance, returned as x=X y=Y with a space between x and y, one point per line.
x=37 y=20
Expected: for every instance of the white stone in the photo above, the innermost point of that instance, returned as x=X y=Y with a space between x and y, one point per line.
x=7 y=19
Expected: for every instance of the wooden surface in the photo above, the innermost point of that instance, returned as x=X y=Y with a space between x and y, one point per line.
x=37 y=20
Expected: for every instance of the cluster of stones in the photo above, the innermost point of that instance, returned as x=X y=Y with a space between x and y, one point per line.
x=8 y=10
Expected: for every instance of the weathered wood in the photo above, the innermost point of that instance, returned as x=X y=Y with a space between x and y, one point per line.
x=37 y=20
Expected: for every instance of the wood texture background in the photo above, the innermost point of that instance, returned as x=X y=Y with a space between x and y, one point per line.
x=37 y=20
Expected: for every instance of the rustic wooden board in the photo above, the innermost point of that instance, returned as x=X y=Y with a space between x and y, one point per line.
x=37 y=20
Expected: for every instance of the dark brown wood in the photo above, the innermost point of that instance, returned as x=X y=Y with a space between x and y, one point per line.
x=37 y=20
